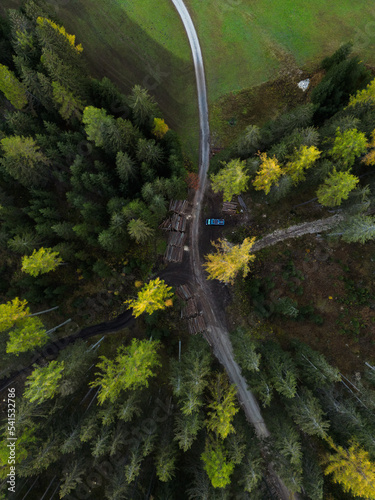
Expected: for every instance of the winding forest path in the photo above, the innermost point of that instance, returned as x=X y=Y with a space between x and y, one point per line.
x=217 y=333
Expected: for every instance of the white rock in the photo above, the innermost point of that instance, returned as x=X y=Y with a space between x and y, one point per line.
x=304 y=84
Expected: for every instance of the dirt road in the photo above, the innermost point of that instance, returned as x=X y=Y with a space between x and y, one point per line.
x=217 y=334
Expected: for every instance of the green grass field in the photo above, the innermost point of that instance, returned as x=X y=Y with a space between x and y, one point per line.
x=245 y=42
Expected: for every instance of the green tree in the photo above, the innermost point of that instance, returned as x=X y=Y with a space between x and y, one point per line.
x=282 y=370
x=165 y=463
x=245 y=350
x=71 y=477
x=139 y=230
x=41 y=261
x=308 y=414
x=231 y=179
x=69 y=106
x=153 y=296
x=251 y=472
x=186 y=429
x=301 y=160
x=222 y=405
x=12 y=88
x=125 y=167
x=23 y=160
x=250 y=141
x=358 y=228
x=131 y=369
x=143 y=105
x=229 y=260
x=96 y=123
x=43 y=383
x=27 y=334
x=353 y=469
x=336 y=188
x=11 y=312
x=348 y=145
x=149 y=152
x=25 y=242
x=268 y=174
x=216 y=463
x=314 y=368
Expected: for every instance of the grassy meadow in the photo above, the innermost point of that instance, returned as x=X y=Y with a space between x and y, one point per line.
x=246 y=42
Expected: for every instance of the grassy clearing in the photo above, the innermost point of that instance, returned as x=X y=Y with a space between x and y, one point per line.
x=246 y=42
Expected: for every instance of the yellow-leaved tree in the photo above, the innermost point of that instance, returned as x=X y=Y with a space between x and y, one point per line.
x=11 y=312
x=366 y=96
x=160 y=128
x=153 y=296
x=268 y=174
x=301 y=160
x=229 y=260
x=353 y=469
x=44 y=21
x=369 y=159
x=41 y=261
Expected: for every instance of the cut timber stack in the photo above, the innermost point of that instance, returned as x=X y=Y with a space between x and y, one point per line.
x=177 y=227
x=196 y=323
x=230 y=207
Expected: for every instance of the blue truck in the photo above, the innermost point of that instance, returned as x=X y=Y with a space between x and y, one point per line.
x=215 y=222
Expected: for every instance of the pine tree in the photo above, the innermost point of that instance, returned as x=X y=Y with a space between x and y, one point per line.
x=24 y=243
x=186 y=429
x=336 y=188
x=71 y=477
x=23 y=160
x=269 y=173
x=229 y=260
x=40 y=262
x=165 y=463
x=249 y=143
x=314 y=368
x=125 y=167
x=129 y=408
x=152 y=297
x=231 y=179
x=131 y=369
x=42 y=384
x=282 y=370
x=96 y=122
x=139 y=230
x=69 y=106
x=12 y=88
x=308 y=414
x=149 y=152
x=142 y=105
x=353 y=469
x=245 y=350
x=251 y=471
x=359 y=228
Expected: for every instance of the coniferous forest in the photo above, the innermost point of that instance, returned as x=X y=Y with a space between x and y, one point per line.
x=87 y=174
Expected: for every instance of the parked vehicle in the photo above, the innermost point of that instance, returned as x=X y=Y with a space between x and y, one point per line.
x=215 y=222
